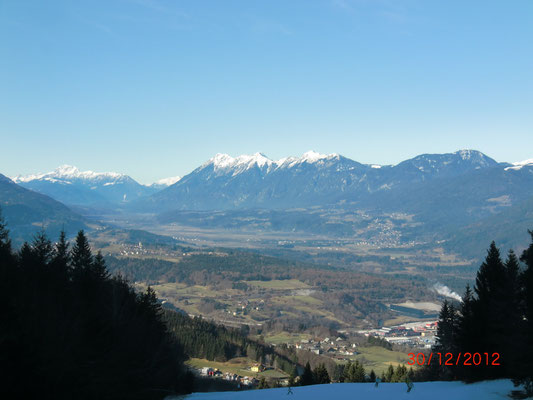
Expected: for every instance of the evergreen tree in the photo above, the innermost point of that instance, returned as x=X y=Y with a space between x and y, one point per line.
x=411 y=374
x=293 y=375
x=99 y=270
x=399 y=374
x=320 y=375
x=61 y=258
x=526 y=279
x=61 y=249
x=446 y=328
x=338 y=373
x=467 y=330
x=512 y=317
x=490 y=276
x=372 y=376
x=307 y=376
x=348 y=372
x=354 y=372
x=489 y=309
x=42 y=248
x=81 y=257
x=359 y=373
x=389 y=374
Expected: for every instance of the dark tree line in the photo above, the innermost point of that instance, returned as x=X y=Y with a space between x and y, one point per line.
x=353 y=372
x=495 y=317
x=69 y=330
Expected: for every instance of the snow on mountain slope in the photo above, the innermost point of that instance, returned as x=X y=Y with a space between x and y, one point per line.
x=69 y=172
x=165 y=182
x=521 y=164
x=226 y=182
x=256 y=181
x=488 y=390
x=71 y=186
x=224 y=162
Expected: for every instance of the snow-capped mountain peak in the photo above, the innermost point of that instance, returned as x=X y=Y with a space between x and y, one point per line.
x=475 y=157
x=223 y=162
x=312 y=156
x=467 y=154
x=69 y=185
x=67 y=172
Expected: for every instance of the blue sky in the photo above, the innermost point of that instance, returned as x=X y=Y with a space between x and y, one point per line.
x=153 y=88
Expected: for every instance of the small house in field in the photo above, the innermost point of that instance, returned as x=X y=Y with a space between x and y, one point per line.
x=257 y=368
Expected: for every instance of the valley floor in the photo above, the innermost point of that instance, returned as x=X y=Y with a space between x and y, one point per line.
x=489 y=390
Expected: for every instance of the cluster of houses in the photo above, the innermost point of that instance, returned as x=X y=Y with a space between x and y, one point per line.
x=245 y=306
x=140 y=250
x=335 y=347
x=245 y=381
x=417 y=334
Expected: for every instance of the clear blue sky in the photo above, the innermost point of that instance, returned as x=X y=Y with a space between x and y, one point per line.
x=153 y=88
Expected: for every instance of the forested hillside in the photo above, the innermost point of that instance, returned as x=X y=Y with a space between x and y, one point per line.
x=204 y=339
x=69 y=330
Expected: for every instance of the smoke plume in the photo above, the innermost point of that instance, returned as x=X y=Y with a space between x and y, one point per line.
x=444 y=290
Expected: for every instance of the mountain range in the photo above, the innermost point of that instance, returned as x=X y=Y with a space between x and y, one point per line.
x=87 y=188
x=445 y=195
x=227 y=183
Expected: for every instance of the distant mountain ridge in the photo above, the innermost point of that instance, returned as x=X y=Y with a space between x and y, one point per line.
x=86 y=188
x=26 y=212
x=255 y=181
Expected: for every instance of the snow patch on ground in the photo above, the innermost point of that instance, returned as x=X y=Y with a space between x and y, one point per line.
x=488 y=390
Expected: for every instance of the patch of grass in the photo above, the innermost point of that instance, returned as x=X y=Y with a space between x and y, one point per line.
x=306 y=299
x=272 y=373
x=285 y=337
x=324 y=313
x=379 y=358
x=276 y=284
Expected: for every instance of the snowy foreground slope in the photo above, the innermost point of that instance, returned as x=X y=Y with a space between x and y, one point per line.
x=488 y=390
